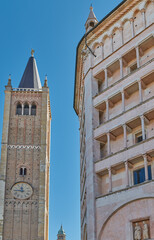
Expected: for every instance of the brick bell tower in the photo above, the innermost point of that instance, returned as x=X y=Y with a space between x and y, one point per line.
x=25 y=158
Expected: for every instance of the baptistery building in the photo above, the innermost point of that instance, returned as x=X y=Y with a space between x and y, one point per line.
x=114 y=101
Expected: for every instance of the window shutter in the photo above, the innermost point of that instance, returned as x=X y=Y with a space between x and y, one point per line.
x=135 y=178
x=149 y=173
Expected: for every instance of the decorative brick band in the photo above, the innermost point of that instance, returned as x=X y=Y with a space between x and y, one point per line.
x=23 y=146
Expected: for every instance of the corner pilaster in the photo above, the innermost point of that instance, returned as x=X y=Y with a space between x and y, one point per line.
x=4 y=144
x=44 y=167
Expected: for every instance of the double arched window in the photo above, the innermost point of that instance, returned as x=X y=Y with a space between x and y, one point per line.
x=26 y=109
x=23 y=171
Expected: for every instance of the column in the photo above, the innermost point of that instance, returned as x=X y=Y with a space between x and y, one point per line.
x=106 y=78
x=110 y=179
x=22 y=113
x=30 y=107
x=125 y=135
x=142 y=124
x=108 y=144
x=107 y=110
x=132 y=27
x=152 y=170
x=127 y=174
x=137 y=56
x=102 y=44
x=122 y=37
x=146 y=167
x=143 y=17
x=121 y=67
x=111 y=38
x=140 y=90
x=123 y=100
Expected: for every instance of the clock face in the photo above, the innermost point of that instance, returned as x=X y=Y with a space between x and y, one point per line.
x=22 y=190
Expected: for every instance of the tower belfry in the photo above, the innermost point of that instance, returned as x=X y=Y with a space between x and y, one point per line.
x=91 y=20
x=61 y=234
x=25 y=158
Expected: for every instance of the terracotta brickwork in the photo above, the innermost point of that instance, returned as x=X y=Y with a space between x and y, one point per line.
x=25 y=143
x=114 y=99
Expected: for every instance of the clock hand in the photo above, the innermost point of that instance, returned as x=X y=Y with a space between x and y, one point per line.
x=20 y=190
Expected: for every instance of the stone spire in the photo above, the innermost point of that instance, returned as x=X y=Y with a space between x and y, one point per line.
x=30 y=78
x=91 y=21
x=61 y=234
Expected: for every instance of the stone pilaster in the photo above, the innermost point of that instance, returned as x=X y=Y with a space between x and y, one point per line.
x=3 y=162
x=44 y=168
x=91 y=117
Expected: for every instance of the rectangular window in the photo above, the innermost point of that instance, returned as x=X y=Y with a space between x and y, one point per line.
x=101 y=150
x=139 y=175
x=138 y=137
x=100 y=86
x=101 y=117
x=133 y=67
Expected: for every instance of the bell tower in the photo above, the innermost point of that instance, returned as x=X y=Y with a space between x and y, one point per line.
x=61 y=234
x=25 y=158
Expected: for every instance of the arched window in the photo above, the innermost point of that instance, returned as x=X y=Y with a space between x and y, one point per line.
x=19 y=109
x=26 y=109
x=117 y=37
x=107 y=46
x=33 y=110
x=91 y=24
x=138 y=22
x=149 y=13
x=23 y=171
x=127 y=31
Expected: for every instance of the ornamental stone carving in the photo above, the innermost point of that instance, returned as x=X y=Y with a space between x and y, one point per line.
x=137 y=232
x=145 y=231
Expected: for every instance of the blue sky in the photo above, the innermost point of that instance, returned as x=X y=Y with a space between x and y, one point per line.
x=53 y=29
